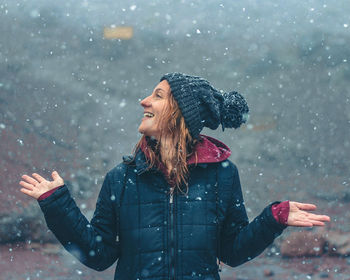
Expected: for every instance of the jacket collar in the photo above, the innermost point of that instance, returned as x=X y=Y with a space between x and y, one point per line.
x=207 y=150
x=139 y=161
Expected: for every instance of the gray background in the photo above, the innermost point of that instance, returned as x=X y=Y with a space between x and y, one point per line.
x=69 y=99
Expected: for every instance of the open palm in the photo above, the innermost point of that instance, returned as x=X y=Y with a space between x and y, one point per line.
x=37 y=185
x=300 y=216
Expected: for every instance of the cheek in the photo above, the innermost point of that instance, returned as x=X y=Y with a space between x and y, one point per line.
x=149 y=123
x=160 y=122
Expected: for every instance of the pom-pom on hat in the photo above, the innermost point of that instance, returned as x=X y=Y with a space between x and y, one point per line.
x=204 y=106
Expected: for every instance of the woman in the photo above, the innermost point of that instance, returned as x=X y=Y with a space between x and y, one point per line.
x=176 y=206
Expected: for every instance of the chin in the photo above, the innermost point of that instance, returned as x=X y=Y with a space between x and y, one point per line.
x=143 y=132
x=146 y=132
x=151 y=135
x=141 y=129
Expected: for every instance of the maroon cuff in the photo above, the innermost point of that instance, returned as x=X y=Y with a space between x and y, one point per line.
x=48 y=193
x=280 y=212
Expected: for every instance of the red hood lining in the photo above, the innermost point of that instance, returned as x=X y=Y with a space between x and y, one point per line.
x=207 y=150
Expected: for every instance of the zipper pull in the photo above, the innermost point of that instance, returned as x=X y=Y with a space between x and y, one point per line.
x=171 y=195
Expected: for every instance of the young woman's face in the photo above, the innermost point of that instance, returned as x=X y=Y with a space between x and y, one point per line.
x=154 y=105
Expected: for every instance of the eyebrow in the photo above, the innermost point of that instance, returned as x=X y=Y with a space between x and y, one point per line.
x=162 y=91
x=159 y=89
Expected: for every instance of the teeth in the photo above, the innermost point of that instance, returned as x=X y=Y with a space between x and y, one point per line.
x=148 y=115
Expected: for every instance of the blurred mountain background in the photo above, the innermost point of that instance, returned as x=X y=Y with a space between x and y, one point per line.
x=69 y=95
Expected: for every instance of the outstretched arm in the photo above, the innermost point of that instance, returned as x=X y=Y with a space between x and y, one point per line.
x=242 y=241
x=94 y=243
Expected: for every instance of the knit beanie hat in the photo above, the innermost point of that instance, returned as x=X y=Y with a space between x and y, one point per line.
x=203 y=106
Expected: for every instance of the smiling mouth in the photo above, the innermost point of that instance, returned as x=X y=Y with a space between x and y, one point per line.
x=148 y=115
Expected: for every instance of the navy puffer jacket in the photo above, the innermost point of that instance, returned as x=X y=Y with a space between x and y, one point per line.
x=155 y=235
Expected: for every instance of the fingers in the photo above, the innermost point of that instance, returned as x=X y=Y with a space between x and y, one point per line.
x=326 y=218
x=305 y=219
x=26 y=185
x=305 y=223
x=30 y=180
x=323 y=218
x=38 y=177
x=26 y=191
x=300 y=224
x=318 y=223
x=30 y=193
x=315 y=217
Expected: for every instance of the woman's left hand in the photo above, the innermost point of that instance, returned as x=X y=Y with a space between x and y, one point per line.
x=299 y=215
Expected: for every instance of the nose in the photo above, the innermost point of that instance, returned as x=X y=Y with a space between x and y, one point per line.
x=145 y=102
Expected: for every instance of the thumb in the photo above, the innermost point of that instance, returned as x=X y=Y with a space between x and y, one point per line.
x=55 y=175
x=305 y=206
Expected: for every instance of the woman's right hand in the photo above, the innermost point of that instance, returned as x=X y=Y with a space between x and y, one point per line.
x=36 y=186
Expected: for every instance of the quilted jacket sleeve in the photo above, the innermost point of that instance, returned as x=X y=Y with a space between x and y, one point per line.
x=240 y=240
x=93 y=243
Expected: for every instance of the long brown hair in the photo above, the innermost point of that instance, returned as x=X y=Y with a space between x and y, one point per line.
x=182 y=146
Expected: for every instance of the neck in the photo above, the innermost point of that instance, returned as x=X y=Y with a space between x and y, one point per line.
x=167 y=151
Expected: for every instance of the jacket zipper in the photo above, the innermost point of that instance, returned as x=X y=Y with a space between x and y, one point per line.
x=172 y=245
